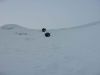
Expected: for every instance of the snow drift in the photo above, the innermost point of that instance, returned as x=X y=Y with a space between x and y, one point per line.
x=73 y=51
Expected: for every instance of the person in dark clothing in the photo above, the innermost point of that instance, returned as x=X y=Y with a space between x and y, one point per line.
x=43 y=29
x=47 y=34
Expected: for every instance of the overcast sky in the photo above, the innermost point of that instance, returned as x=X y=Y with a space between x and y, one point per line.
x=49 y=13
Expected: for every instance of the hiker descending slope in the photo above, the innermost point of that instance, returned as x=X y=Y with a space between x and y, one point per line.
x=43 y=29
x=47 y=34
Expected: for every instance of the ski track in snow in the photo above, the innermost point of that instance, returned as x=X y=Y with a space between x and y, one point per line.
x=74 y=51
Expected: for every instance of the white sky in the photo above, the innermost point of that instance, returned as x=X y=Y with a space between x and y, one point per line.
x=49 y=13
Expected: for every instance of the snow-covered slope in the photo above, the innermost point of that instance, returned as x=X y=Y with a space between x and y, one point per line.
x=73 y=51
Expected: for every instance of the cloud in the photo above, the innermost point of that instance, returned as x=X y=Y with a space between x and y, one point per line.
x=2 y=0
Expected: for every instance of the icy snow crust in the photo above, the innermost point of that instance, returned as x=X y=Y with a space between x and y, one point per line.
x=73 y=51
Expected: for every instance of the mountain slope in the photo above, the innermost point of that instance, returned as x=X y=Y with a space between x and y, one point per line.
x=73 y=51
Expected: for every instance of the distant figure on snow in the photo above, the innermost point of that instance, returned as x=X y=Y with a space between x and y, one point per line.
x=47 y=34
x=43 y=29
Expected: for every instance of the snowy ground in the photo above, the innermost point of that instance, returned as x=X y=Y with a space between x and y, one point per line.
x=73 y=51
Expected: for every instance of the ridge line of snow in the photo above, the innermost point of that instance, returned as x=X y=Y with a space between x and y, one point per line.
x=80 y=26
x=74 y=27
